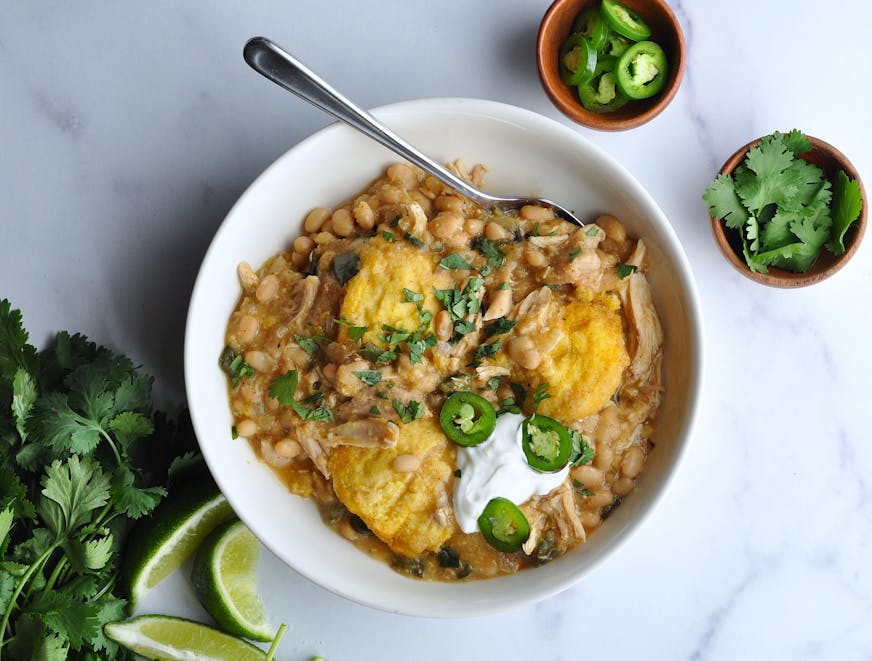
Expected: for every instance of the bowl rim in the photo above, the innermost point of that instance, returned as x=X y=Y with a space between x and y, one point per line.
x=782 y=278
x=550 y=79
x=524 y=120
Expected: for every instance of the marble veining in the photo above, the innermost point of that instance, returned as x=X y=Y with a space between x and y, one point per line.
x=127 y=132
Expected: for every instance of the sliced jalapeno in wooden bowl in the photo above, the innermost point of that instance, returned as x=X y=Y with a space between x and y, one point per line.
x=625 y=21
x=642 y=70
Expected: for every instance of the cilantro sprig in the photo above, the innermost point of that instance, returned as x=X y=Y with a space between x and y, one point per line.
x=82 y=455
x=784 y=209
x=284 y=389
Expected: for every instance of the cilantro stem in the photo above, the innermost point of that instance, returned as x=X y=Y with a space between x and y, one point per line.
x=50 y=583
x=36 y=566
x=111 y=445
x=275 y=643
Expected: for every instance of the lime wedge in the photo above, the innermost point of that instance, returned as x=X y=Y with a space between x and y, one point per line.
x=224 y=581
x=160 y=544
x=171 y=638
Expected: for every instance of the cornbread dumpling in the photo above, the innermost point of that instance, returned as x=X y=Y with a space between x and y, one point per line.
x=401 y=507
x=374 y=296
x=585 y=368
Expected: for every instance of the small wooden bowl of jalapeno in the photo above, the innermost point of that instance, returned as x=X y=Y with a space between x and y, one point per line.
x=610 y=65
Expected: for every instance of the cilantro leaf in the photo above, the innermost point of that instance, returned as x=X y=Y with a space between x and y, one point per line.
x=72 y=490
x=133 y=501
x=499 y=327
x=23 y=398
x=575 y=252
x=625 y=270
x=847 y=205
x=129 y=426
x=582 y=452
x=540 y=395
x=15 y=352
x=724 y=203
x=388 y=236
x=346 y=266
x=284 y=388
x=369 y=377
x=54 y=424
x=408 y=412
x=796 y=142
x=455 y=261
x=307 y=344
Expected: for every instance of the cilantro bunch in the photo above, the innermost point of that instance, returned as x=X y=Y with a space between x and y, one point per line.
x=785 y=209
x=82 y=455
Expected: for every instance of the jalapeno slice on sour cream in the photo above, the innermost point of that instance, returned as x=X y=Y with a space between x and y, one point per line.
x=467 y=419
x=625 y=21
x=504 y=525
x=547 y=444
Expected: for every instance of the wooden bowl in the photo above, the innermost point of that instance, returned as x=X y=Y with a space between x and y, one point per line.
x=555 y=28
x=830 y=160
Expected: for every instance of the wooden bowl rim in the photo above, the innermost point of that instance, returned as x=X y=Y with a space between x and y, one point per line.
x=782 y=278
x=551 y=81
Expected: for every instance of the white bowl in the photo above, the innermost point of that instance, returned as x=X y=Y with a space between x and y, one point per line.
x=528 y=155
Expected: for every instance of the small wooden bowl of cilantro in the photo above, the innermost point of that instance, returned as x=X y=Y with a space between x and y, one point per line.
x=787 y=210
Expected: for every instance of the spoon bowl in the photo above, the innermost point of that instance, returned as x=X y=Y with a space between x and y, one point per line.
x=282 y=68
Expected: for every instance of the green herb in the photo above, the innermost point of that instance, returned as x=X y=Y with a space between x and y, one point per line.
x=234 y=433
x=414 y=240
x=408 y=412
x=784 y=208
x=464 y=327
x=381 y=394
x=540 y=395
x=82 y=454
x=581 y=490
x=494 y=382
x=609 y=509
x=356 y=333
x=234 y=366
x=395 y=221
x=375 y=354
x=346 y=266
x=455 y=261
x=593 y=231
x=625 y=270
x=582 y=452
x=375 y=410
x=307 y=344
x=503 y=285
x=284 y=388
x=314 y=261
x=410 y=296
x=369 y=377
x=483 y=351
x=457 y=473
x=388 y=236
x=847 y=204
x=575 y=252
x=492 y=254
x=510 y=405
x=499 y=327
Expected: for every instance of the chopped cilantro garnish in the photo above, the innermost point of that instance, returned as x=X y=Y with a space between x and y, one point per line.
x=375 y=410
x=486 y=351
x=408 y=412
x=510 y=405
x=455 y=261
x=284 y=388
x=388 y=236
x=346 y=266
x=540 y=395
x=593 y=231
x=581 y=490
x=575 y=252
x=492 y=254
x=369 y=377
x=582 y=452
x=626 y=270
x=234 y=366
x=356 y=333
x=234 y=433
x=464 y=327
x=499 y=327
x=414 y=240
x=307 y=344
x=457 y=473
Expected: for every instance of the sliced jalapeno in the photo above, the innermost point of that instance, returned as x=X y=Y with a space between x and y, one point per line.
x=601 y=94
x=467 y=419
x=615 y=45
x=642 y=70
x=504 y=525
x=592 y=25
x=625 y=21
x=547 y=444
x=577 y=60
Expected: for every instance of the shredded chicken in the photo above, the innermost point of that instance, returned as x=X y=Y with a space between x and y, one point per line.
x=303 y=297
x=647 y=335
x=366 y=433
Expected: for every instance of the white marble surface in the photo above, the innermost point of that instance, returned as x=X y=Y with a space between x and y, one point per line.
x=128 y=129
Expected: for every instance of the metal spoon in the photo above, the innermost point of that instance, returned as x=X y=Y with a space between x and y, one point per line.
x=284 y=70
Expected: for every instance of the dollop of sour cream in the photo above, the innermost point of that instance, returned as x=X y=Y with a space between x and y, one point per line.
x=497 y=467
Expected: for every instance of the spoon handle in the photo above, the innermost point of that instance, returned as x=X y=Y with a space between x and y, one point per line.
x=282 y=68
